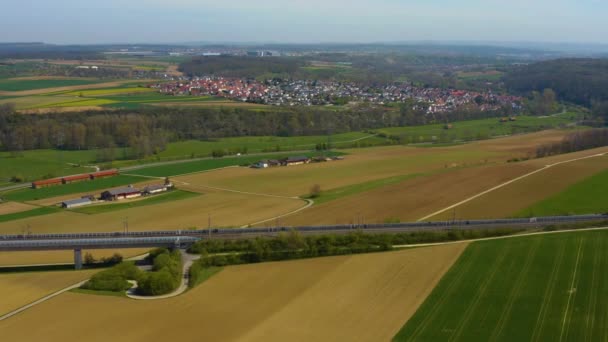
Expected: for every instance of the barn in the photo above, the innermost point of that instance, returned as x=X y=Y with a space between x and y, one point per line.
x=104 y=174
x=120 y=193
x=157 y=188
x=46 y=182
x=75 y=203
x=75 y=178
x=296 y=161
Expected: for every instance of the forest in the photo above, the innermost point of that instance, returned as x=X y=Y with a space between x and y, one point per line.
x=580 y=81
x=147 y=130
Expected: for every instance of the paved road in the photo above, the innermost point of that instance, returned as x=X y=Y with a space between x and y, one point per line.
x=188 y=260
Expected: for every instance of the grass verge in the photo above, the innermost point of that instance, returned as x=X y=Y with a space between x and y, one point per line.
x=30 y=213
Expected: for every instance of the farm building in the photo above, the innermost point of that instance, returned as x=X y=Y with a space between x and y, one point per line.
x=120 y=193
x=75 y=203
x=290 y=161
x=262 y=164
x=104 y=174
x=75 y=178
x=156 y=188
x=46 y=182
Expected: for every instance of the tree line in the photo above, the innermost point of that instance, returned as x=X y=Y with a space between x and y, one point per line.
x=578 y=141
x=292 y=245
x=146 y=131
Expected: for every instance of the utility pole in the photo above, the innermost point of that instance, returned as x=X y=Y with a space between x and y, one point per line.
x=126 y=225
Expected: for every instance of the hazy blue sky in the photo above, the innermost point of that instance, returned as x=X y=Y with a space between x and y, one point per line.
x=92 y=21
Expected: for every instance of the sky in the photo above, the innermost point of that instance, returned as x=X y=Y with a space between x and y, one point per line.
x=302 y=21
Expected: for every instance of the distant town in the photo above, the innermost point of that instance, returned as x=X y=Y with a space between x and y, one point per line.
x=279 y=92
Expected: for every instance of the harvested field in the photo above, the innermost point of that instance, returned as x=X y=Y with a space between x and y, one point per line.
x=411 y=199
x=515 y=197
x=225 y=209
x=361 y=166
x=14 y=207
x=538 y=288
x=324 y=299
x=19 y=289
x=61 y=257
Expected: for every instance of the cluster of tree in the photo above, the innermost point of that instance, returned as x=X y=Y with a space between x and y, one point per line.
x=575 y=142
x=116 y=258
x=146 y=131
x=114 y=279
x=166 y=273
x=544 y=103
x=580 y=81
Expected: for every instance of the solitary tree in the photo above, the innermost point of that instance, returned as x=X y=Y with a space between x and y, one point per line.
x=315 y=191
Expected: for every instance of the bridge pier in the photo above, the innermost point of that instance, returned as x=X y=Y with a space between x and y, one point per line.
x=78 y=259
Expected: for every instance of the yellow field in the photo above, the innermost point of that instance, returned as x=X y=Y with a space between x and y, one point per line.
x=19 y=289
x=14 y=207
x=358 y=167
x=226 y=209
x=61 y=257
x=347 y=298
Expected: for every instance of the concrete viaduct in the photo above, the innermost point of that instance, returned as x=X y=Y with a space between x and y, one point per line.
x=184 y=238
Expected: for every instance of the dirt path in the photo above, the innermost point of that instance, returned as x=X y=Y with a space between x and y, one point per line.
x=507 y=183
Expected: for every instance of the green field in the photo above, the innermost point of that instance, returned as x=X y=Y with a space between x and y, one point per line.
x=210 y=164
x=35 y=164
x=479 y=129
x=186 y=149
x=24 y=195
x=156 y=199
x=334 y=194
x=539 y=288
x=19 y=85
x=586 y=197
x=26 y=214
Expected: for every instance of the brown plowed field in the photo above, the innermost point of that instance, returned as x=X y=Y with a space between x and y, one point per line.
x=347 y=298
x=411 y=199
x=507 y=201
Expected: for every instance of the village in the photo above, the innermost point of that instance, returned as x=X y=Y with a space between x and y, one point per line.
x=279 y=92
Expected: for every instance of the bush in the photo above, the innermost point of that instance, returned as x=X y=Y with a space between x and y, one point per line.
x=114 y=279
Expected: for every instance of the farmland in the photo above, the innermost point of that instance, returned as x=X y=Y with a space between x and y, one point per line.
x=587 y=196
x=25 y=288
x=540 y=288
x=236 y=304
x=176 y=195
x=60 y=257
x=73 y=188
x=479 y=129
x=524 y=194
x=225 y=209
x=33 y=84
